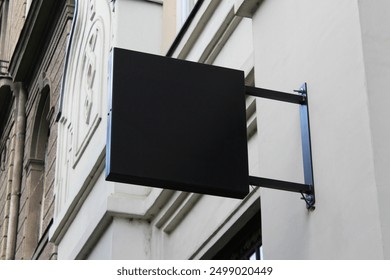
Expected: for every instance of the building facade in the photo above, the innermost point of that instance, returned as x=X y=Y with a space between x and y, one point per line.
x=33 y=44
x=55 y=66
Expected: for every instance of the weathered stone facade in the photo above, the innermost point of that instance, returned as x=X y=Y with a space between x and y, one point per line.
x=34 y=49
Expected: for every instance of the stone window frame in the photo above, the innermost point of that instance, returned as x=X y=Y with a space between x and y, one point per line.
x=36 y=170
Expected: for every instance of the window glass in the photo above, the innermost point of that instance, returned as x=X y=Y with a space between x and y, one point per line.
x=257 y=254
x=245 y=244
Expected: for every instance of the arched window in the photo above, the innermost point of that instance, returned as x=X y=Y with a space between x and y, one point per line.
x=36 y=179
x=5 y=107
x=41 y=148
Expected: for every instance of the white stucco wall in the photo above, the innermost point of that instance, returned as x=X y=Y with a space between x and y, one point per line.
x=318 y=42
x=375 y=24
x=337 y=47
x=138 y=26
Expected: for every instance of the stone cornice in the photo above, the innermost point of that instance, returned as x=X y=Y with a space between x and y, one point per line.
x=33 y=38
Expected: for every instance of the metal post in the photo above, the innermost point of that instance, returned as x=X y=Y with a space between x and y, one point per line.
x=306 y=148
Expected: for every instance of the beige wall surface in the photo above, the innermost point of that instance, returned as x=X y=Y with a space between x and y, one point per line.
x=318 y=42
x=335 y=46
x=375 y=32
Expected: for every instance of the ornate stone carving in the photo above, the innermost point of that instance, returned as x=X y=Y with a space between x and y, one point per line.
x=80 y=128
x=92 y=9
x=89 y=74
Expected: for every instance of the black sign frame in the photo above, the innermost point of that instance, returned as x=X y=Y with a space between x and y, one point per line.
x=176 y=124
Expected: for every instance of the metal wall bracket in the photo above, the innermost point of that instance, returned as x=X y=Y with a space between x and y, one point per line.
x=306 y=189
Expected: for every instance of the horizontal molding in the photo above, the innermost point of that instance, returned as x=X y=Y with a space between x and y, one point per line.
x=181 y=212
x=198 y=24
x=220 y=38
x=228 y=228
x=247 y=8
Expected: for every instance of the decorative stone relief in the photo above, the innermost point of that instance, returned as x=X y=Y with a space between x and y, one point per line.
x=92 y=9
x=84 y=96
x=89 y=101
x=89 y=74
x=90 y=71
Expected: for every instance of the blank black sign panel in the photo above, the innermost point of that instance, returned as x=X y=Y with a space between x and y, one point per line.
x=176 y=124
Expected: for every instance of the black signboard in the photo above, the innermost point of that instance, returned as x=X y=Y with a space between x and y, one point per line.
x=176 y=124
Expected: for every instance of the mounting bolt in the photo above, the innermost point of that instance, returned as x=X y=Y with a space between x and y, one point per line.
x=309 y=199
x=301 y=91
x=310 y=202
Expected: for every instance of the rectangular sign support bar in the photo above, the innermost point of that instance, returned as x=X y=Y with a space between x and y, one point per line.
x=306 y=189
x=275 y=95
x=280 y=185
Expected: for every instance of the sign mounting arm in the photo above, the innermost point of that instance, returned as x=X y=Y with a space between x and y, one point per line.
x=306 y=189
